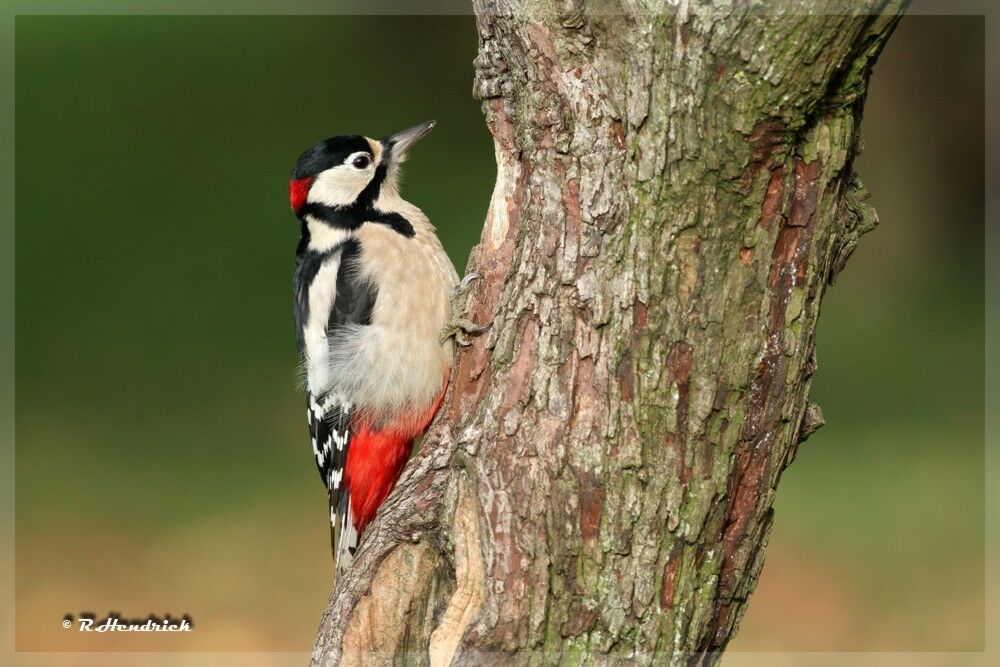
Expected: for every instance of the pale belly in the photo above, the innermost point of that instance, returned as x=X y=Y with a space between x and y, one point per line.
x=396 y=365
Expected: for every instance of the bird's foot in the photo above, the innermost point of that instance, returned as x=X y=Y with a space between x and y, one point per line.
x=459 y=327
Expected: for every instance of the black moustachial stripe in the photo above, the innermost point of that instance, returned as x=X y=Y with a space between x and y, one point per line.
x=353 y=216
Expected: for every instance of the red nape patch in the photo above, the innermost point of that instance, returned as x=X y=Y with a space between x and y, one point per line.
x=298 y=190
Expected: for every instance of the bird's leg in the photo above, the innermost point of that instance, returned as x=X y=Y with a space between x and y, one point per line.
x=458 y=326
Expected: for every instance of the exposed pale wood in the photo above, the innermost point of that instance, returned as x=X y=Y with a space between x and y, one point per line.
x=467 y=599
x=380 y=618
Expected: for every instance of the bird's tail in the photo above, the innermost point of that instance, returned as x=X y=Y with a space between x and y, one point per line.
x=344 y=535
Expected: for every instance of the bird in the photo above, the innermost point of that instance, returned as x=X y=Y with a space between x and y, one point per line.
x=374 y=321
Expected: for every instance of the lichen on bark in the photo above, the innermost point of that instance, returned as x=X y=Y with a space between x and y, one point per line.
x=675 y=191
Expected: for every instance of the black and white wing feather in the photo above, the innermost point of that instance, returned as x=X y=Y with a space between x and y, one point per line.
x=329 y=429
x=329 y=413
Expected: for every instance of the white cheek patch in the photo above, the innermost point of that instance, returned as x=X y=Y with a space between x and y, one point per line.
x=340 y=185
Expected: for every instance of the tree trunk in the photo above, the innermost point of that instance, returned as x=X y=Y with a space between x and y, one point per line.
x=674 y=193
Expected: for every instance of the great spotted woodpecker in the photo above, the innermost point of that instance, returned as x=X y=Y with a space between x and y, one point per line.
x=373 y=319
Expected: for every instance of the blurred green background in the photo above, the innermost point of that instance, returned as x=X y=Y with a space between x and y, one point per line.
x=162 y=461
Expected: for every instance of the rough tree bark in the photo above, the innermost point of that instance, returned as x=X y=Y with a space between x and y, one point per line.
x=674 y=193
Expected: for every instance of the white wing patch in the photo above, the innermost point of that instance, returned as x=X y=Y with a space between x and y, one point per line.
x=322 y=293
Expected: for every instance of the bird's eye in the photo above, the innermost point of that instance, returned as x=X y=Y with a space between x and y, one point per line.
x=361 y=161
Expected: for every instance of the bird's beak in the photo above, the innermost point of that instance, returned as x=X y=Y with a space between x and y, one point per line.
x=400 y=142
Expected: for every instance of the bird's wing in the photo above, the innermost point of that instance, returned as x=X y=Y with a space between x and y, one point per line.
x=329 y=428
x=330 y=415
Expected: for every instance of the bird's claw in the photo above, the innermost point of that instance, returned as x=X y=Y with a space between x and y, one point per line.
x=459 y=327
x=463 y=286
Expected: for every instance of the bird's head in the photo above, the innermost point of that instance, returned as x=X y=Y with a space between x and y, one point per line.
x=350 y=170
